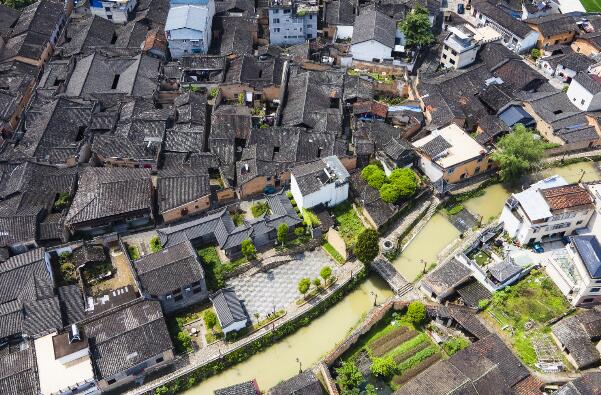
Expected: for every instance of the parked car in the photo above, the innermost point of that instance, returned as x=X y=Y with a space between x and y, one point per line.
x=538 y=248
x=460 y=9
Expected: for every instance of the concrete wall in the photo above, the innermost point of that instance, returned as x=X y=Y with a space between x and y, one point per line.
x=370 y=50
x=337 y=242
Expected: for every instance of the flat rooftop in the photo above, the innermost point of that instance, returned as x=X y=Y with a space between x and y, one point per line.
x=460 y=147
x=53 y=375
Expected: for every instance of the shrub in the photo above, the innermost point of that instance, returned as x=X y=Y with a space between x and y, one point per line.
x=535 y=53
x=289 y=194
x=456 y=209
x=390 y=193
x=213 y=93
x=282 y=233
x=455 y=344
x=368 y=170
x=405 y=180
x=238 y=218
x=184 y=339
x=325 y=273
x=241 y=98
x=349 y=376
x=483 y=303
x=416 y=313
x=317 y=281
x=311 y=219
x=210 y=319
x=377 y=180
x=367 y=247
x=155 y=244
x=299 y=231
x=62 y=201
x=259 y=209
x=134 y=252
x=383 y=367
x=248 y=249
x=303 y=285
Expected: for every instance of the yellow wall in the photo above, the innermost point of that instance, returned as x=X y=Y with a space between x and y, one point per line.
x=584 y=47
x=468 y=168
x=194 y=207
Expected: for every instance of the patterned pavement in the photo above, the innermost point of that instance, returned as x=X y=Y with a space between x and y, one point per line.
x=277 y=288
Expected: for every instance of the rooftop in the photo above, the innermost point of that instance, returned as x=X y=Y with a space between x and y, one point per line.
x=450 y=146
x=228 y=307
x=589 y=249
x=312 y=176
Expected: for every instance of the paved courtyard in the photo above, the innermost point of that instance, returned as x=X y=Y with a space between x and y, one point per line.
x=273 y=290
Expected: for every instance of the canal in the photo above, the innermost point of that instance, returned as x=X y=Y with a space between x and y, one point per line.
x=309 y=344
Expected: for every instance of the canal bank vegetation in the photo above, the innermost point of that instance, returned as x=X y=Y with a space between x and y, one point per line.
x=189 y=380
x=525 y=311
x=394 y=351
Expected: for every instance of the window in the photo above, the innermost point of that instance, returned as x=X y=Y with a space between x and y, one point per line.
x=111 y=381
x=109 y=17
x=582 y=101
x=286 y=11
x=107 y=9
x=178 y=298
x=276 y=11
x=309 y=35
x=579 y=222
x=452 y=61
x=159 y=360
x=276 y=20
x=444 y=56
x=595 y=289
x=451 y=170
x=587 y=300
x=276 y=29
x=310 y=16
x=309 y=26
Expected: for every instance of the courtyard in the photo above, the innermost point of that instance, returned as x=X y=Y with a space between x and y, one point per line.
x=266 y=292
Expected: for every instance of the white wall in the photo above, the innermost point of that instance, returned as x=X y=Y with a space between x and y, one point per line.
x=430 y=169
x=344 y=32
x=296 y=193
x=328 y=194
x=236 y=326
x=582 y=98
x=117 y=14
x=370 y=50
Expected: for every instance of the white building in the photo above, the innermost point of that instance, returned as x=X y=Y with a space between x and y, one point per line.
x=463 y=43
x=549 y=208
x=64 y=363
x=188 y=29
x=517 y=35
x=292 y=21
x=374 y=36
x=230 y=312
x=585 y=92
x=325 y=181
x=117 y=11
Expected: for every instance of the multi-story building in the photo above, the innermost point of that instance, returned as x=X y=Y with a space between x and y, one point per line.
x=325 y=181
x=188 y=29
x=548 y=209
x=585 y=91
x=117 y=11
x=463 y=43
x=292 y=21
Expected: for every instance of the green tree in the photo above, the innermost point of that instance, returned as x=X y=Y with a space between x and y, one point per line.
x=184 y=339
x=317 y=282
x=325 y=273
x=535 y=53
x=155 y=244
x=248 y=249
x=416 y=313
x=383 y=367
x=417 y=28
x=367 y=247
x=517 y=153
x=303 y=285
x=282 y=233
x=370 y=389
x=455 y=344
x=210 y=319
x=349 y=376
x=368 y=171
x=377 y=179
x=405 y=180
x=162 y=390
x=311 y=219
x=390 y=193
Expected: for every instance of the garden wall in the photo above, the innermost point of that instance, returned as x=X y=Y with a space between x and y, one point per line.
x=337 y=242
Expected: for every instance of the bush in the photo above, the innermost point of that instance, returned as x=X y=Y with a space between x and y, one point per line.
x=367 y=247
x=248 y=249
x=155 y=244
x=455 y=344
x=349 y=376
x=535 y=53
x=293 y=202
x=238 y=218
x=289 y=194
x=213 y=93
x=134 y=252
x=184 y=339
x=368 y=171
x=383 y=367
x=303 y=285
x=377 y=180
x=456 y=209
x=282 y=233
x=416 y=313
x=259 y=209
x=62 y=201
x=390 y=193
x=311 y=219
x=405 y=180
x=299 y=231
x=483 y=303
x=210 y=319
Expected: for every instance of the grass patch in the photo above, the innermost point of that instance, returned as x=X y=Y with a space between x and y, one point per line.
x=333 y=253
x=481 y=258
x=591 y=5
x=182 y=340
x=134 y=252
x=455 y=344
x=349 y=224
x=259 y=209
x=525 y=310
x=213 y=267
x=456 y=209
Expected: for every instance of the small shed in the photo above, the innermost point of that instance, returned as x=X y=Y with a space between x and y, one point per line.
x=230 y=311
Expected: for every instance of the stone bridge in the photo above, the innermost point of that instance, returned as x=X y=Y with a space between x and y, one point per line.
x=388 y=272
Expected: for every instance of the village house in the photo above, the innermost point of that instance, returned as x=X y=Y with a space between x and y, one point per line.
x=450 y=155
x=116 y=11
x=323 y=182
x=21 y=376
x=578 y=337
x=303 y=383
x=292 y=21
x=588 y=44
x=118 y=342
x=174 y=276
x=246 y=388
x=110 y=199
x=231 y=313
x=182 y=193
x=374 y=35
x=585 y=91
x=548 y=209
x=340 y=18
x=462 y=43
x=554 y=29
x=517 y=35
x=188 y=29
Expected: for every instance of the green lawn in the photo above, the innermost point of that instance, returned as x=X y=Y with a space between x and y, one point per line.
x=525 y=309
x=349 y=224
x=481 y=258
x=214 y=268
x=335 y=254
x=591 y=5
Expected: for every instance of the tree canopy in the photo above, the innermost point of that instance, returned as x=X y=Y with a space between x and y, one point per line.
x=417 y=28
x=390 y=193
x=349 y=376
x=248 y=249
x=303 y=285
x=367 y=247
x=325 y=273
x=210 y=319
x=282 y=233
x=518 y=153
x=405 y=180
x=416 y=313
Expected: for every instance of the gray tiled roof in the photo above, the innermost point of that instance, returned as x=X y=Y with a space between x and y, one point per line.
x=169 y=269
x=588 y=383
x=571 y=332
x=340 y=12
x=589 y=82
x=18 y=372
x=305 y=383
x=176 y=190
x=311 y=177
x=126 y=337
x=447 y=276
x=246 y=388
x=228 y=307
x=371 y=24
x=107 y=192
x=554 y=24
x=505 y=20
x=436 y=146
